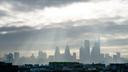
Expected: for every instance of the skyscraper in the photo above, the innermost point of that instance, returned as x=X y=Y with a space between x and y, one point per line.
x=117 y=58
x=85 y=52
x=16 y=55
x=81 y=54
x=74 y=56
x=42 y=55
x=57 y=54
x=67 y=55
x=95 y=54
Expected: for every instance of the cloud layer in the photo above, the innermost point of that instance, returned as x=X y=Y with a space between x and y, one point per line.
x=27 y=24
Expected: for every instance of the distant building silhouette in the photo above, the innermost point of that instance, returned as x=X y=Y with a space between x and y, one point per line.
x=57 y=54
x=95 y=53
x=16 y=55
x=9 y=58
x=16 y=58
x=116 y=58
x=74 y=57
x=85 y=52
x=67 y=54
x=51 y=58
x=41 y=57
x=87 y=55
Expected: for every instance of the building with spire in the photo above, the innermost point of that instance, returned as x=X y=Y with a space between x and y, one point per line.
x=67 y=54
x=57 y=54
x=95 y=53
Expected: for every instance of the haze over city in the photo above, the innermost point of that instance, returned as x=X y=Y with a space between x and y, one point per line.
x=29 y=26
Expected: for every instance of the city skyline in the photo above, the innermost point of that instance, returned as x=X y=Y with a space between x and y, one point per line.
x=87 y=55
x=61 y=49
x=64 y=35
x=51 y=51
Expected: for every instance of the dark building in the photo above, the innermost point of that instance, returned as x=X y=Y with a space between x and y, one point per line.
x=64 y=67
x=8 y=67
x=117 y=67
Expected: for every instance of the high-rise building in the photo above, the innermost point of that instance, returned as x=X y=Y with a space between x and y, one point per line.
x=67 y=54
x=32 y=56
x=57 y=54
x=81 y=54
x=42 y=55
x=16 y=58
x=85 y=52
x=31 y=60
x=117 y=58
x=16 y=55
x=95 y=53
x=74 y=56
x=102 y=58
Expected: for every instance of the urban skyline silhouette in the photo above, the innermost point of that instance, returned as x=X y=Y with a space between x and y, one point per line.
x=86 y=56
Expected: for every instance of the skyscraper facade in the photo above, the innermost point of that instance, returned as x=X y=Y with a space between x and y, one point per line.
x=85 y=52
x=67 y=54
x=57 y=54
x=95 y=53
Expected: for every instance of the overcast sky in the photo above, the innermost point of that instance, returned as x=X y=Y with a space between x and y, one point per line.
x=44 y=24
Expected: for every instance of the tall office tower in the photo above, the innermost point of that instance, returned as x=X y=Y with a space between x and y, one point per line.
x=16 y=55
x=67 y=55
x=102 y=58
x=118 y=57
x=85 y=52
x=32 y=59
x=81 y=54
x=95 y=54
x=74 y=55
x=57 y=54
x=32 y=56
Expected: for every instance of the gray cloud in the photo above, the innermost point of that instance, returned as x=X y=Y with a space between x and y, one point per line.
x=3 y=13
x=28 y=5
x=13 y=28
x=14 y=37
x=117 y=42
x=28 y=37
